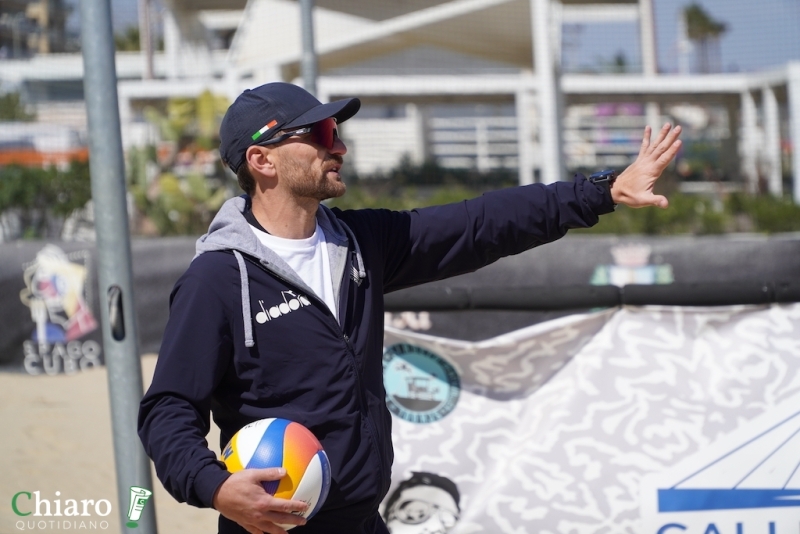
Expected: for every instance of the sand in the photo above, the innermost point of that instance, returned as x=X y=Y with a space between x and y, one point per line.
x=57 y=437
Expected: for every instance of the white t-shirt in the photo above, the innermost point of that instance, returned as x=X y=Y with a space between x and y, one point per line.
x=309 y=259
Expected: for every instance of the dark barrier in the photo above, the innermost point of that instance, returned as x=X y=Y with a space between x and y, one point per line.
x=502 y=298
x=589 y=296
x=49 y=305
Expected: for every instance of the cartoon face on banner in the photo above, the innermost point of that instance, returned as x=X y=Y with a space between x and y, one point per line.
x=421 y=387
x=55 y=292
x=426 y=503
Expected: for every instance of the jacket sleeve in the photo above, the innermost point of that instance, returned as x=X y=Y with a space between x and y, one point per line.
x=174 y=415
x=442 y=241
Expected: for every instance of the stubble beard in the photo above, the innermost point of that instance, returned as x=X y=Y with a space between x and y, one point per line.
x=302 y=184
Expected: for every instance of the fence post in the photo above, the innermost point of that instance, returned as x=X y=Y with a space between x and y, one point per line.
x=118 y=319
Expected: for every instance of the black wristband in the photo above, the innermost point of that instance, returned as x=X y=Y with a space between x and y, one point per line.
x=604 y=179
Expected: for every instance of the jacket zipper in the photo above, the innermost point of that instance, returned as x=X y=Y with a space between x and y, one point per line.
x=344 y=289
x=351 y=355
x=370 y=424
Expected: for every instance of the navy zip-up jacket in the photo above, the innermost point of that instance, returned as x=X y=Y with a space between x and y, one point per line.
x=219 y=356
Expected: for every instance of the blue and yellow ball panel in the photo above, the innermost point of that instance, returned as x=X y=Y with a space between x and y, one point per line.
x=270 y=451
x=283 y=443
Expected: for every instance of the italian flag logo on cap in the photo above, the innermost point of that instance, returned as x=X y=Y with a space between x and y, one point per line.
x=261 y=132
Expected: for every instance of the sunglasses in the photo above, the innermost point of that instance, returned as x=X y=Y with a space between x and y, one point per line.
x=324 y=133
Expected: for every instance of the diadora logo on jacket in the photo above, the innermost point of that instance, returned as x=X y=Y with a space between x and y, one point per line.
x=291 y=301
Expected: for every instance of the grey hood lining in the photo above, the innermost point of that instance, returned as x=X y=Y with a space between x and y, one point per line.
x=230 y=231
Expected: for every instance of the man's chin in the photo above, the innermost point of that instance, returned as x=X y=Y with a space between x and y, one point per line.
x=335 y=192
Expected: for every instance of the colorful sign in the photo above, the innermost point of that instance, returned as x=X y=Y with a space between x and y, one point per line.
x=56 y=294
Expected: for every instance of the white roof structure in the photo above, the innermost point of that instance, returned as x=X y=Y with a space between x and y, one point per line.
x=349 y=32
x=268 y=35
x=515 y=34
x=519 y=37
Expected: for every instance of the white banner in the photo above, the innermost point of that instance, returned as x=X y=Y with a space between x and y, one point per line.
x=655 y=420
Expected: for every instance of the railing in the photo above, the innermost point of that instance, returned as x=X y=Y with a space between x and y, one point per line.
x=482 y=143
x=591 y=141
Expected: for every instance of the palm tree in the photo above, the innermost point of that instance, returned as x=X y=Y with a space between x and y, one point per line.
x=705 y=32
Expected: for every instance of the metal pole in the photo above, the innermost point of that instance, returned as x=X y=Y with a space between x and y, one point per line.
x=549 y=89
x=145 y=39
x=749 y=148
x=647 y=33
x=523 y=104
x=309 y=62
x=772 y=141
x=793 y=89
x=120 y=334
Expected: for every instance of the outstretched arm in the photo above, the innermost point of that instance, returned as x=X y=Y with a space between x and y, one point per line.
x=634 y=186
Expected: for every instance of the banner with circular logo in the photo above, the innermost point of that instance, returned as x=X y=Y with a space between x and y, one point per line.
x=421 y=386
x=654 y=420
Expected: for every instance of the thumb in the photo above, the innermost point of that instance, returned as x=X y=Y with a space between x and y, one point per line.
x=267 y=473
x=660 y=201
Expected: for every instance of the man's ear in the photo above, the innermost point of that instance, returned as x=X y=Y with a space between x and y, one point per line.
x=261 y=160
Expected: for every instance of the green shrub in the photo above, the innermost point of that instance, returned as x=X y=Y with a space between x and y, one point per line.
x=180 y=206
x=186 y=205
x=768 y=214
x=43 y=198
x=687 y=214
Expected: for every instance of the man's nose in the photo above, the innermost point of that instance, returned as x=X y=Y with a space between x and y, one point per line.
x=339 y=148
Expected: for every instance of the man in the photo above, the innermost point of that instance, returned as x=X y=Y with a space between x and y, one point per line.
x=235 y=346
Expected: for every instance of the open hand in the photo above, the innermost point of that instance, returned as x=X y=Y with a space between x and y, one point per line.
x=634 y=186
x=242 y=498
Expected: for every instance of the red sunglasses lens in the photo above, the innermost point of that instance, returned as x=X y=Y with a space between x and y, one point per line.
x=324 y=133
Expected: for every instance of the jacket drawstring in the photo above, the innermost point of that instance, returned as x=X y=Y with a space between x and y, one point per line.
x=248 y=325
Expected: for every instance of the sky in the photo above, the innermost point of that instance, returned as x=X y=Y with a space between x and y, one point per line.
x=756 y=38
x=761 y=34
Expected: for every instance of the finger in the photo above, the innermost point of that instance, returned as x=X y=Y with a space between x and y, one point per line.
x=273 y=521
x=269 y=504
x=285 y=519
x=267 y=474
x=668 y=140
x=645 y=139
x=669 y=154
x=676 y=132
x=286 y=506
x=662 y=134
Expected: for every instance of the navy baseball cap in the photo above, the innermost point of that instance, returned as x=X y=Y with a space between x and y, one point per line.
x=258 y=114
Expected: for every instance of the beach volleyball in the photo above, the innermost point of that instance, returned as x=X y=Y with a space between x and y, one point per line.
x=277 y=442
